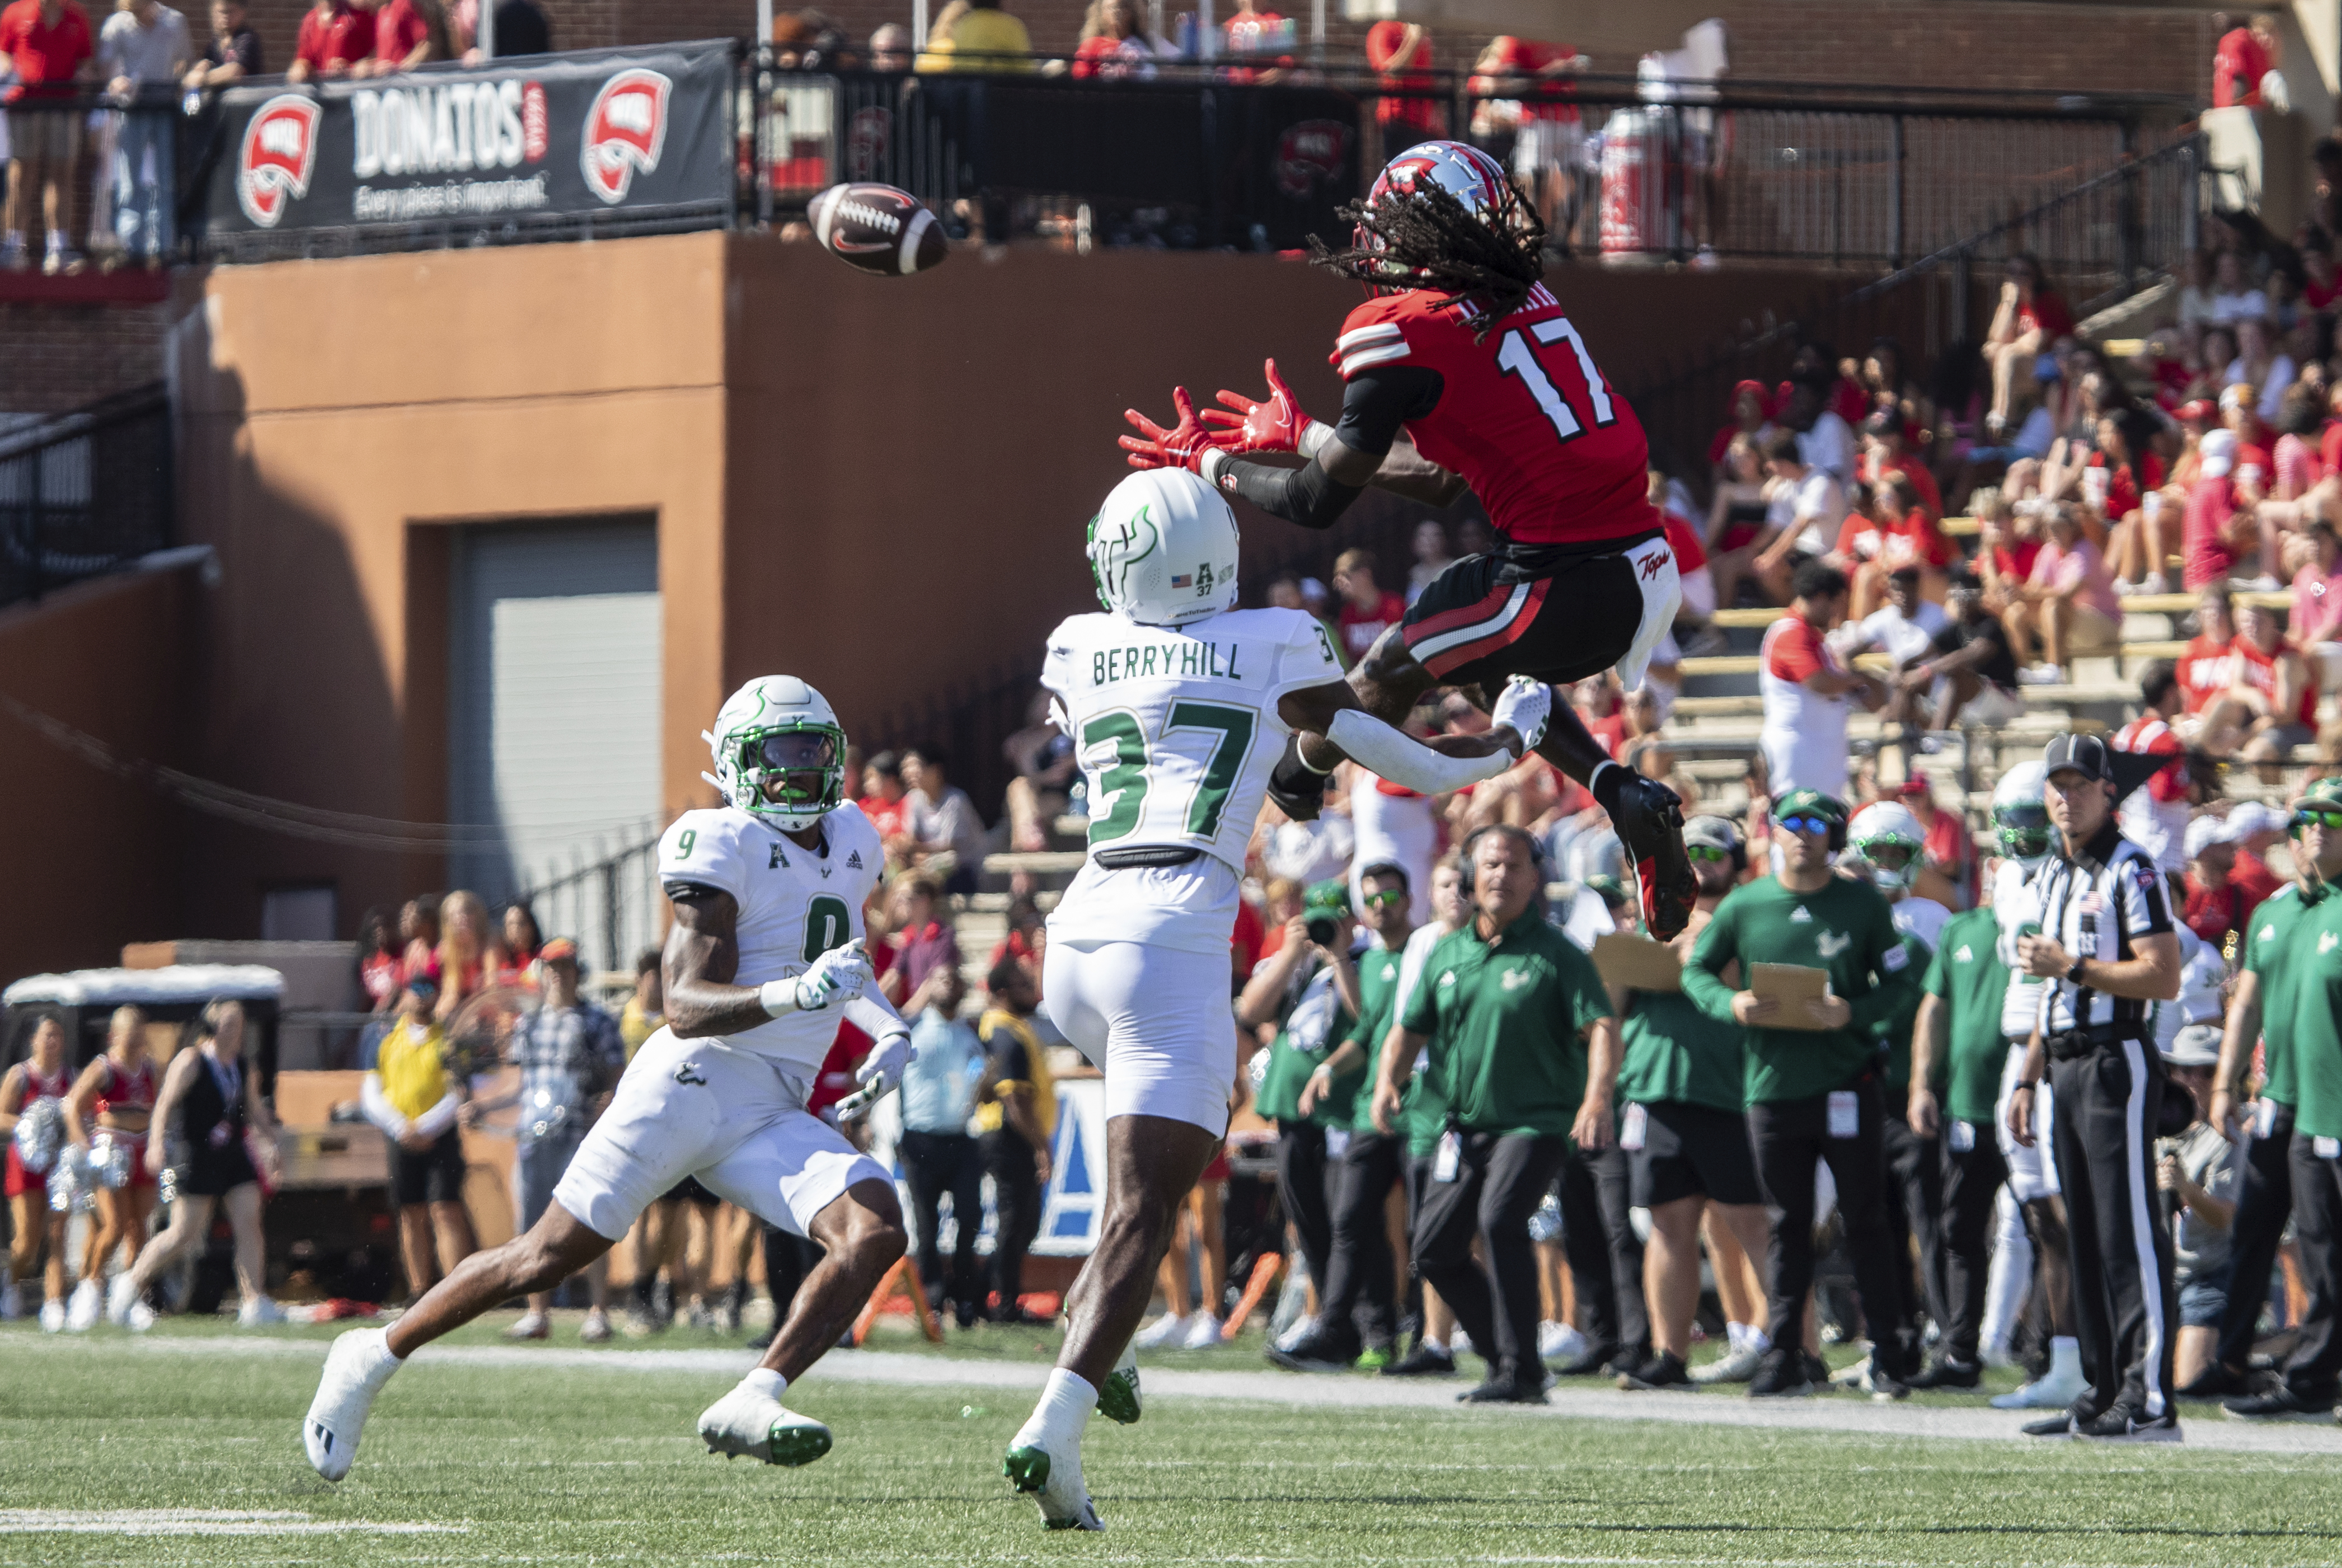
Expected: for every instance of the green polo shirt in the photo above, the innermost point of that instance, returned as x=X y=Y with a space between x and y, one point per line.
x=1674 y=1052
x=1965 y=974
x=2315 y=1049
x=1507 y=1020
x=1314 y=1020
x=1844 y=927
x=1378 y=997
x=2273 y=941
x=1895 y=1031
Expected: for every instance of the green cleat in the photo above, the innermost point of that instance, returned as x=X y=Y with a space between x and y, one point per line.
x=1057 y=1487
x=1028 y=1469
x=1373 y=1359
x=796 y=1442
x=1117 y=1398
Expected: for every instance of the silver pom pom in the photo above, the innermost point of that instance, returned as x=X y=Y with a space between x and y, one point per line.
x=110 y=1160
x=72 y=1190
x=1544 y=1225
x=40 y=1132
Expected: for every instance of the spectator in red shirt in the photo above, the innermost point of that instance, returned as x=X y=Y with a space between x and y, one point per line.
x=886 y=802
x=1400 y=53
x=1949 y=852
x=2271 y=704
x=1116 y=42
x=336 y=37
x=1544 y=150
x=923 y=942
x=406 y=33
x=2316 y=625
x=2124 y=483
x=2008 y=544
x=2031 y=316
x=2216 y=903
x=1885 y=450
x=2205 y=667
x=1751 y=415
x=2244 y=56
x=1367 y=608
x=2215 y=533
x=51 y=49
x=1253 y=32
x=2254 y=828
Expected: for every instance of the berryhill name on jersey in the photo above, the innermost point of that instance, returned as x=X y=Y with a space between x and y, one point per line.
x=1188 y=658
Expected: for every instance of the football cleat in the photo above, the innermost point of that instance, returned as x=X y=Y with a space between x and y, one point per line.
x=1648 y=818
x=747 y=1424
x=1117 y=1398
x=1164 y=1333
x=1053 y=1481
x=355 y=1369
x=84 y=1310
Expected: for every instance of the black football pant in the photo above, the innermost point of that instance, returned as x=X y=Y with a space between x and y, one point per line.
x=2317 y=1356
x=1791 y=1138
x=1972 y=1180
x=1605 y=1256
x=2264 y=1206
x=1303 y=1186
x=2125 y=1309
x=1915 y=1200
x=937 y=1164
x=1017 y=1203
x=1499 y=1183
x=1360 y=1271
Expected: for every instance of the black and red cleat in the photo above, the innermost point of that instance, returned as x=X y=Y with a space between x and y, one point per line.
x=1648 y=818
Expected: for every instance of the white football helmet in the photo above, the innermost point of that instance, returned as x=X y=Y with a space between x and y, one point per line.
x=1163 y=549
x=2019 y=815
x=1881 y=828
x=779 y=753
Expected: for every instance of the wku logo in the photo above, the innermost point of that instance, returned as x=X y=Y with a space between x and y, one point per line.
x=278 y=155
x=624 y=130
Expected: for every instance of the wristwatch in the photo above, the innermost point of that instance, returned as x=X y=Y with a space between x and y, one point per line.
x=2075 y=974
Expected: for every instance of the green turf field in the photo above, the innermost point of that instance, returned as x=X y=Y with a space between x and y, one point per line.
x=568 y=1465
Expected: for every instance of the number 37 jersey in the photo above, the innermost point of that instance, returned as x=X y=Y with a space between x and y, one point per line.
x=1177 y=726
x=793 y=906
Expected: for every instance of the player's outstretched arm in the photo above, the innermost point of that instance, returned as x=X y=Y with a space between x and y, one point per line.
x=703 y=954
x=1334 y=726
x=1278 y=423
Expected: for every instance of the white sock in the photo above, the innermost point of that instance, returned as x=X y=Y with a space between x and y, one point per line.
x=1433 y=1343
x=767 y=1381
x=1063 y=1414
x=2065 y=1357
x=1753 y=1339
x=379 y=1361
x=56 y=239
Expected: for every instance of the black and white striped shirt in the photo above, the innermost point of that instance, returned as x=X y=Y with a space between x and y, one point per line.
x=2097 y=905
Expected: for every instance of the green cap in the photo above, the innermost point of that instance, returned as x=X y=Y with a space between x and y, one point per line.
x=2321 y=794
x=1808 y=803
x=1331 y=896
x=1613 y=891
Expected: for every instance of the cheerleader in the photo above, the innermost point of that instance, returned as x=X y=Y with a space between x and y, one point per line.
x=39 y=1229
x=116 y=1092
x=211 y=1093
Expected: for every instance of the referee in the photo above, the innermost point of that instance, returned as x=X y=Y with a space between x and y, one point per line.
x=2107 y=949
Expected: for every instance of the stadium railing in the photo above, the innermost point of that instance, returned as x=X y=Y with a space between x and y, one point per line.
x=84 y=492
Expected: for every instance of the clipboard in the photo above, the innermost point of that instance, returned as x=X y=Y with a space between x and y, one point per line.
x=1792 y=984
x=1636 y=962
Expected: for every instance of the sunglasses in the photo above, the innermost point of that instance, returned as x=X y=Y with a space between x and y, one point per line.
x=1818 y=826
x=2329 y=820
x=1387 y=898
x=1706 y=851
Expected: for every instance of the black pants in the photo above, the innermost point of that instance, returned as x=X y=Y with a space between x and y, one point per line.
x=1791 y=1138
x=941 y=1164
x=1360 y=1271
x=2264 y=1205
x=1017 y=1203
x=2316 y=1219
x=1971 y=1178
x=1605 y=1256
x=1915 y=1198
x=787 y=1260
x=2125 y=1309
x=1303 y=1187
x=1499 y=1183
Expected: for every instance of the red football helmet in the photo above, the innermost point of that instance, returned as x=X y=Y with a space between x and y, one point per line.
x=1462 y=170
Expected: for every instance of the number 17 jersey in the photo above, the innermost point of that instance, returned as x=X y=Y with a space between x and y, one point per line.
x=1177 y=727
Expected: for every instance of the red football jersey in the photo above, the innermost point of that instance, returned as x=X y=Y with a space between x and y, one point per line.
x=1523 y=415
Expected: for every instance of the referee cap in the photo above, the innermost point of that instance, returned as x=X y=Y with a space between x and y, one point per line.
x=2197 y=1045
x=2084 y=754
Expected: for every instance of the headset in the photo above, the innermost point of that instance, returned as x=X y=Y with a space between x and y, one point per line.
x=1519 y=836
x=1837 y=829
x=1738 y=848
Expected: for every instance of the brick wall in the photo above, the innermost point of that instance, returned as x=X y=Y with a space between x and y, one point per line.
x=63 y=357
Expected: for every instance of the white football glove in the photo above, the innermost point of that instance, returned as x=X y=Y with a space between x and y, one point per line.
x=839 y=974
x=880 y=1072
x=1528 y=706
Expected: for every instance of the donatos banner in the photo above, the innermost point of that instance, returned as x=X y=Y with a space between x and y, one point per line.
x=643 y=131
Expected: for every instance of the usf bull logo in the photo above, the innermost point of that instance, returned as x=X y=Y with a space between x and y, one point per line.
x=625 y=131
x=278 y=155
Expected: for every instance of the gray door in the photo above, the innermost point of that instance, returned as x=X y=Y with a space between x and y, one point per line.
x=553 y=720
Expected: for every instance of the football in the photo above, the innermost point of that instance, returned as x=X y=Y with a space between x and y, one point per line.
x=878 y=229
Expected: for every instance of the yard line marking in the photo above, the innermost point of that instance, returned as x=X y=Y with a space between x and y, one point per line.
x=198 y=1521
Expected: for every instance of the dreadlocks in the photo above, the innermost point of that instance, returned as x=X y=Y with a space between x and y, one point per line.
x=1430 y=240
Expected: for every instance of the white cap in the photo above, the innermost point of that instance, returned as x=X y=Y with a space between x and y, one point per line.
x=2205 y=832
x=2196 y=1045
x=2252 y=817
x=2218 y=451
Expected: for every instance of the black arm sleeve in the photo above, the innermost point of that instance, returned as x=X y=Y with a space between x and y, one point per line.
x=1377 y=402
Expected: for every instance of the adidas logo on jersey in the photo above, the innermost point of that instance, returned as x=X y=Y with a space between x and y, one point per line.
x=1963 y=955
x=1800 y=915
x=854 y=860
x=1447 y=977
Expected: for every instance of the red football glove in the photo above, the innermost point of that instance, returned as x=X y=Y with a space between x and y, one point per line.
x=1274 y=426
x=1181 y=447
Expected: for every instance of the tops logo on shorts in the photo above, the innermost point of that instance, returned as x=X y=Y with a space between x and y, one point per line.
x=624 y=130
x=278 y=155
x=460 y=128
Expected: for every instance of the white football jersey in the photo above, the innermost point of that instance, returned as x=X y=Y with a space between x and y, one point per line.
x=1177 y=726
x=1921 y=917
x=793 y=906
x=2018 y=913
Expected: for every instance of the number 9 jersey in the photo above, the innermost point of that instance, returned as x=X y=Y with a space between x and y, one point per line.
x=1176 y=729
x=793 y=906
